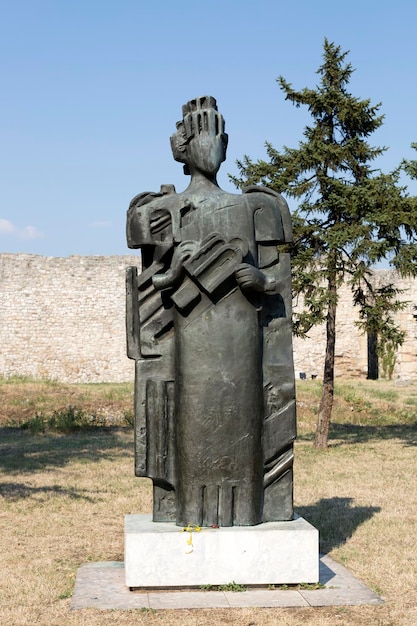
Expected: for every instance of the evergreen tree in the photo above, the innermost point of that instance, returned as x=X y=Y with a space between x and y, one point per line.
x=349 y=216
x=410 y=166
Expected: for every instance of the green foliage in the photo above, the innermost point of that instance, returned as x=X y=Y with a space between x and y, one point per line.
x=385 y=394
x=235 y=587
x=22 y=378
x=388 y=354
x=129 y=418
x=376 y=309
x=68 y=420
x=303 y=586
x=37 y=424
x=410 y=167
x=350 y=215
x=311 y=586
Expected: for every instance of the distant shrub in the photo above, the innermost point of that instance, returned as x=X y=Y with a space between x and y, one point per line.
x=67 y=420
x=36 y=424
x=128 y=418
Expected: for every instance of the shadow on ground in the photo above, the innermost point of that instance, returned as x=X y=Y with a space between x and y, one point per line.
x=23 y=452
x=16 y=491
x=336 y=519
x=341 y=434
x=351 y=433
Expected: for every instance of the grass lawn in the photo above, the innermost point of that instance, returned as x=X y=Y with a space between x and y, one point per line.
x=63 y=498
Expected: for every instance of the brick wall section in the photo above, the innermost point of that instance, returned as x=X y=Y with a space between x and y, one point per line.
x=64 y=318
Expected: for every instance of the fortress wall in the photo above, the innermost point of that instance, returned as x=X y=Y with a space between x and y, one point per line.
x=406 y=365
x=351 y=346
x=64 y=318
x=351 y=358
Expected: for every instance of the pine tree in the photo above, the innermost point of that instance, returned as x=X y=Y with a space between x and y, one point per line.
x=410 y=166
x=349 y=216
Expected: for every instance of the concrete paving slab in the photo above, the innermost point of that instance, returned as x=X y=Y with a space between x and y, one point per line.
x=188 y=600
x=102 y=586
x=265 y=598
x=338 y=597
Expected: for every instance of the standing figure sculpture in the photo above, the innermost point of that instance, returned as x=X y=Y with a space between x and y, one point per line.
x=209 y=326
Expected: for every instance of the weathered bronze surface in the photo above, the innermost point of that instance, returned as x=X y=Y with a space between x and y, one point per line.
x=209 y=326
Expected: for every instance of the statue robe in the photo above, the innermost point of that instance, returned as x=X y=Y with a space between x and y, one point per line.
x=214 y=391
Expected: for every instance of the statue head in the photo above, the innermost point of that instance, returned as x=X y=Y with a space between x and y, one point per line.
x=200 y=141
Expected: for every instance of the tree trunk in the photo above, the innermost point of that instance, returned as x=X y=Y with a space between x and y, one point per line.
x=326 y=402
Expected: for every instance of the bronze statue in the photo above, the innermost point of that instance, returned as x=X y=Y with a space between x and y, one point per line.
x=209 y=325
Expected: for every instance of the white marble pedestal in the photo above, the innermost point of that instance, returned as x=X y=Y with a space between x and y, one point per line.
x=159 y=554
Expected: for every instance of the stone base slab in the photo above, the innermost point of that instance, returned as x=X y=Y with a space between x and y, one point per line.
x=161 y=554
x=102 y=586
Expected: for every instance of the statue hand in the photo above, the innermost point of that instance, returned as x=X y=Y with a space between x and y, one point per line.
x=249 y=277
x=181 y=253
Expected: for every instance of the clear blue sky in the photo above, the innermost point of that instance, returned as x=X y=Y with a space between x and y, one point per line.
x=91 y=91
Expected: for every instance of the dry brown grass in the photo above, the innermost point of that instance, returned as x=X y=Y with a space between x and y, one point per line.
x=63 y=498
x=21 y=398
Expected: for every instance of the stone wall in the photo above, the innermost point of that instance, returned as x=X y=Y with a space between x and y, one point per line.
x=64 y=318
x=351 y=358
